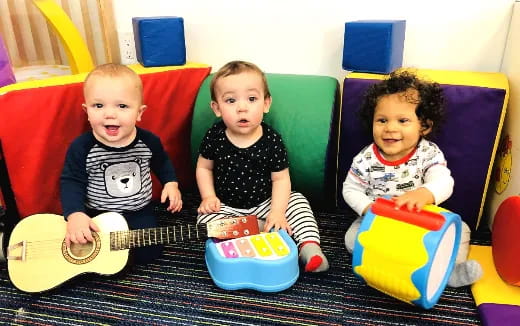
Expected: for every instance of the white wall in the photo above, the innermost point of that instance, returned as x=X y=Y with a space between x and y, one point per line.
x=509 y=162
x=306 y=37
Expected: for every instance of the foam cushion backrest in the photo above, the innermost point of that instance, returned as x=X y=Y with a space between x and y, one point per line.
x=302 y=112
x=38 y=121
x=475 y=108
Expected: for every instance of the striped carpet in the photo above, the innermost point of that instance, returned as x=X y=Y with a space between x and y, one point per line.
x=177 y=290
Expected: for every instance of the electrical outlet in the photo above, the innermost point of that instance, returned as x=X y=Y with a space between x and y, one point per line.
x=127 y=48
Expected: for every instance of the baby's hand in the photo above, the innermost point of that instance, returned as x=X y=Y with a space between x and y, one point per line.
x=415 y=199
x=79 y=225
x=209 y=205
x=172 y=193
x=277 y=222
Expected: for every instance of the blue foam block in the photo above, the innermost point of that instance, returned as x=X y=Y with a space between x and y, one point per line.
x=159 y=41
x=374 y=46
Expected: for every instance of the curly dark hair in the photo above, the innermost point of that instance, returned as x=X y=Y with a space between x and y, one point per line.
x=430 y=103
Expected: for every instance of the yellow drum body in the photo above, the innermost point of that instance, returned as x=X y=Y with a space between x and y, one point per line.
x=407 y=255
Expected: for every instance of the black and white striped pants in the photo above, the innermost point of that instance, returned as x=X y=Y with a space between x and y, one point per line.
x=299 y=216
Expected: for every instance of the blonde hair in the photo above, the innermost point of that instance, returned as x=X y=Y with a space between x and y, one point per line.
x=234 y=68
x=115 y=70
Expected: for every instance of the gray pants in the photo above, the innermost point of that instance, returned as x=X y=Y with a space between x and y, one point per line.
x=299 y=216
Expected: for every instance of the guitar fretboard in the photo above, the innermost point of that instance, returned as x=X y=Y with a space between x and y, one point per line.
x=120 y=240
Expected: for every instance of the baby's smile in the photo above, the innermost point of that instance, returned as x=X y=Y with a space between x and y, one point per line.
x=112 y=130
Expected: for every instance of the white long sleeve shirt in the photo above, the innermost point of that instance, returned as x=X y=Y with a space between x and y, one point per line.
x=371 y=176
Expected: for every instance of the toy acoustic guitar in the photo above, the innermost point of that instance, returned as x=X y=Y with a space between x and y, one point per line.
x=38 y=259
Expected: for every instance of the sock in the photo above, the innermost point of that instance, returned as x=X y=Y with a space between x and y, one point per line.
x=465 y=273
x=351 y=234
x=313 y=258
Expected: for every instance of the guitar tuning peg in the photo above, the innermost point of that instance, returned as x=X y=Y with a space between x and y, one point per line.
x=224 y=233
x=235 y=232
x=246 y=232
x=234 y=222
x=244 y=220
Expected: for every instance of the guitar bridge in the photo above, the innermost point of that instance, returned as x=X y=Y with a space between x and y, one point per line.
x=15 y=246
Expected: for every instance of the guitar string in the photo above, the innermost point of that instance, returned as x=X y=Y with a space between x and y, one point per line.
x=124 y=233
x=120 y=239
x=46 y=248
x=124 y=239
x=56 y=242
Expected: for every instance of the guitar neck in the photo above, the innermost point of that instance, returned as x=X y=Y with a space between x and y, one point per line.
x=128 y=239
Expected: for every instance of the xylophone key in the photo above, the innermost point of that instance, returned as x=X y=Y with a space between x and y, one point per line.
x=229 y=249
x=277 y=244
x=245 y=248
x=261 y=246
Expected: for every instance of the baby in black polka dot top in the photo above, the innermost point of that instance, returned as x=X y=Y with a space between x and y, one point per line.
x=243 y=169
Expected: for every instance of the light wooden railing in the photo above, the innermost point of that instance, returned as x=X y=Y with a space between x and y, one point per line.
x=30 y=41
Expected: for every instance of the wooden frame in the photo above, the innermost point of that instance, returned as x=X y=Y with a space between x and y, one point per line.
x=30 y=41
x=106 y=9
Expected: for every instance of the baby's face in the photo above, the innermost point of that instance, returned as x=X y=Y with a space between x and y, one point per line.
x=113 y=106
x=396 y=127
x=241 y=102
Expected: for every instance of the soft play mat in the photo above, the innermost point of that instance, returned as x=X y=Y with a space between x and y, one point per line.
x=498 y=302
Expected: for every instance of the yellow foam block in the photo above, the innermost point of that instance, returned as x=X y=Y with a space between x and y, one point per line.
x=491 y=288
x=449 y=77
x=79 y=78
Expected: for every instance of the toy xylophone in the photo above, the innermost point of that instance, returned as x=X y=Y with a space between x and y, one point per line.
x=266 y=262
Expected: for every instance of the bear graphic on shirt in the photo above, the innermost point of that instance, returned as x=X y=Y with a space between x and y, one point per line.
x=122 y=179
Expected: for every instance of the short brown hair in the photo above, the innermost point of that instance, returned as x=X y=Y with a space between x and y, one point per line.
x=234 y=68
x=115 y=70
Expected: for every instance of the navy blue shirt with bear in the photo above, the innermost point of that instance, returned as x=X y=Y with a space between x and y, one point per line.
x=103 y=178
x=242 y=176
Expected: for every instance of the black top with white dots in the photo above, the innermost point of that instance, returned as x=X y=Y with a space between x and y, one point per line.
x=242 y=176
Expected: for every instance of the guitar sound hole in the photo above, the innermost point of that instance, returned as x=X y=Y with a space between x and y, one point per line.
x=81 y=251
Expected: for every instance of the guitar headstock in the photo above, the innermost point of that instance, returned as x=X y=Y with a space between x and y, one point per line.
x=235 y=227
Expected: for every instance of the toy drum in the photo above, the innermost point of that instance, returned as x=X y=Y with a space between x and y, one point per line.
x=266 y=262
x=407 y=255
